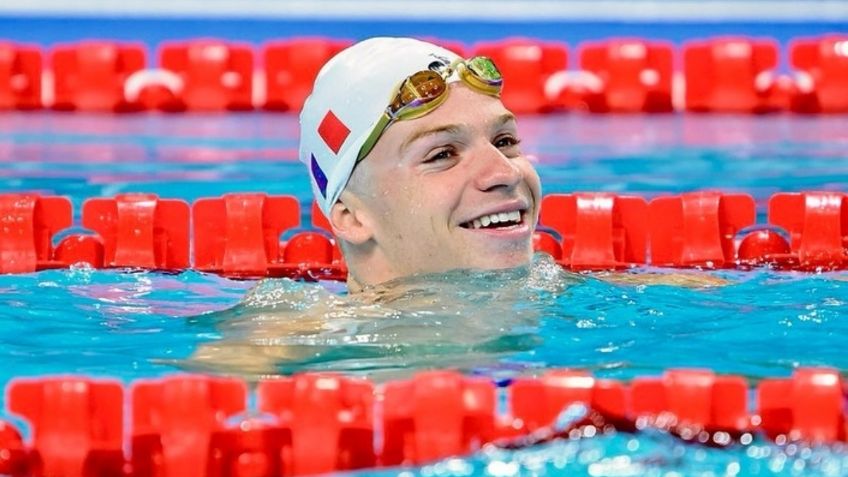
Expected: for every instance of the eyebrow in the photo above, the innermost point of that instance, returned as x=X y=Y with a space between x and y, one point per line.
x=503 y=119
x=452 y=129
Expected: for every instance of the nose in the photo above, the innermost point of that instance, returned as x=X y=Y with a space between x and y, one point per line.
x=493 y=170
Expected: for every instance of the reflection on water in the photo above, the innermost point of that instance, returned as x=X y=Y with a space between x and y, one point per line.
x=461 y=319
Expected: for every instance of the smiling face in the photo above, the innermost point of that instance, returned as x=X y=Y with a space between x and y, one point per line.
x=445 y=191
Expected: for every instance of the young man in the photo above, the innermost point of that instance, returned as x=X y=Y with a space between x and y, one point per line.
x=417 y=165
x=416 y=162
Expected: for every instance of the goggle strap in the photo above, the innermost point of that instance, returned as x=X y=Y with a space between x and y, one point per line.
x=372 y=139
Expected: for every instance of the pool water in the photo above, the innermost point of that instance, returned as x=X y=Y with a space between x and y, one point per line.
x=648 y=454
x=133 y=324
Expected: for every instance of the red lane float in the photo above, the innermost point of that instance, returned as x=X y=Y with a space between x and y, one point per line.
x=29 y=223
x=822 y=65
x=312 y=256
x=253 y=448
x=698 y=228
x=140 y=230
x=239 y=234
x=192 y=425
x=20 y=76
x=536 y=402
x=598 y=230
x=810 y=406
x=817 y=223
x=730 y=74
x=91 y=75
x=77 y=425
x=527 y=66
x=328 y=420
x=215 y=75
x=175 y=421
x=724 y=74
x=733 y=74
x=14 y=457
x=635 y=75
x=695 y=398
x=434 y=415
x=765 y=247
x=291 y=67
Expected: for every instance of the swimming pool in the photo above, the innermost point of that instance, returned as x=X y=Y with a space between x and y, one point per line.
x=136 y=324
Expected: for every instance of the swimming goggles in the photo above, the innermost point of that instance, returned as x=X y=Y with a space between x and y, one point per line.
x=425 y=90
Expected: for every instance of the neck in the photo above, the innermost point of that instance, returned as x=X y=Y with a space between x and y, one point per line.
x=365 y=269
x=353 y=285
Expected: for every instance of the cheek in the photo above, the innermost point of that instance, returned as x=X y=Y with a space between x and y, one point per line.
x=532 y=178
x=439 y=197
x=414 y=207
x=395 y=206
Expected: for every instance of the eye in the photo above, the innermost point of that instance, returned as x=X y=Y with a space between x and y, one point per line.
x=507 y=141
x=440 y=154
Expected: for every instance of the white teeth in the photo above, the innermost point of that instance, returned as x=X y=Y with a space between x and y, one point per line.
x=503 y=217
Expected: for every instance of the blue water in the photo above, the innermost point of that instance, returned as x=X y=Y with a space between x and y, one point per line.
x=139 y=324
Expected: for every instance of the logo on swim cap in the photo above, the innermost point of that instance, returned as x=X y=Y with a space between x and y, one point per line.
x=333 y=131
x=320 y=177
x=440 y=63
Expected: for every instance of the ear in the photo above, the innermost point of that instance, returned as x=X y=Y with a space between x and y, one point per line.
x=349 y=221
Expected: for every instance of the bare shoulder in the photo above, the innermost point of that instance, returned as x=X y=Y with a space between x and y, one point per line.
x=680 y=279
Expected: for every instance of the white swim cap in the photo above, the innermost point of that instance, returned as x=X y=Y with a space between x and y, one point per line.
x=351 y=93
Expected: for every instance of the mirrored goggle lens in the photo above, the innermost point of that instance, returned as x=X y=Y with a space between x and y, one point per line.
x=484 y=68
x=420 y=88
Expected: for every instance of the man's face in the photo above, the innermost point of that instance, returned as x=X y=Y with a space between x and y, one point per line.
x=451 y=189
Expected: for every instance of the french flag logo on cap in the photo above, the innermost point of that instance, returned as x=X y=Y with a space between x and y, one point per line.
x=318 y=174
x=334 y=133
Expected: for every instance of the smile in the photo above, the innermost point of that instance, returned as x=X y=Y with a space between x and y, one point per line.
x=496 y=220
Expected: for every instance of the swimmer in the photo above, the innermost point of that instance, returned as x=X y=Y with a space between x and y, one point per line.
x=418 y=167
x=416 y=162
